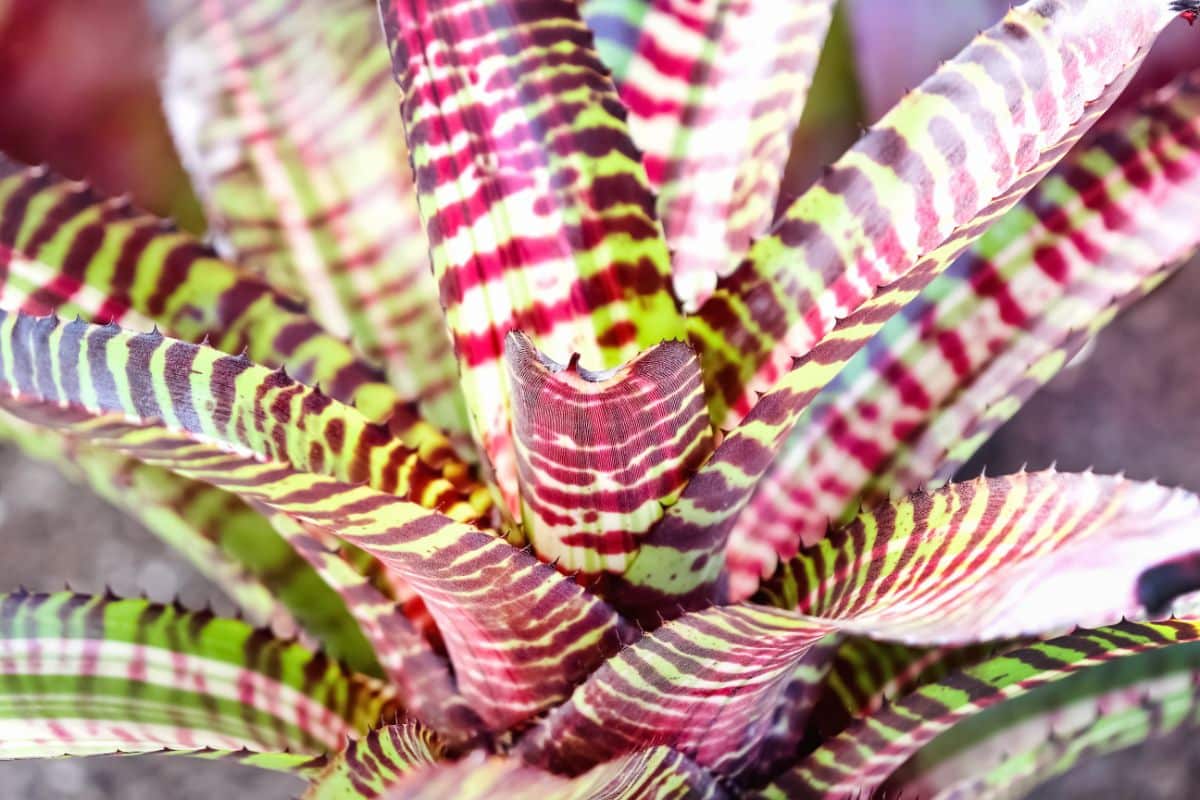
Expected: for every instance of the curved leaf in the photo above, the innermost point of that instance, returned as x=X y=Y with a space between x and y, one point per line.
x=372 y=766
x=711 y=685
x=868 y=753
x=600 y=454
x=983 y=560
x=285 y=116
x=519 y=634
x=534 y=199
x=1011 y=747
x=223 y=538
x=1001 y=557
x=946 y=372
x=714 y=92
x=82 y=676
x=66 y=250
x=949 y=159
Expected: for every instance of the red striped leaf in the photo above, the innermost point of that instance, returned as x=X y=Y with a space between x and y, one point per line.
x=534 y=199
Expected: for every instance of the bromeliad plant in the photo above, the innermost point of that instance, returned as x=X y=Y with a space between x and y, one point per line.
x=574 y=512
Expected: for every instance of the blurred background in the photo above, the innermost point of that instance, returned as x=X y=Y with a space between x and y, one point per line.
x=78 y=91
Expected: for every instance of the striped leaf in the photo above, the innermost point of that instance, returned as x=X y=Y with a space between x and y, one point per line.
x=534 y=199
x=714 y=91
x=866 y=755
x=998 y=558
x=285 y=116
x=372 y=766
x=222 y=537
x=1011 y=747
x=82 y=675
x=942 y=375
x=600 y=454
x=210 y=417
x=69 y=251
x=653 y=774
x=979 y=561
x=930 y=177
x=711 y=685
x=420 y=675
x=864 y=675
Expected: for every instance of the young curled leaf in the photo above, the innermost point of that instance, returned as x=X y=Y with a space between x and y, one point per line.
x=600 y=453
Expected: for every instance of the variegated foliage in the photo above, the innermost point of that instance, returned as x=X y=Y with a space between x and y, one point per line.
x=577 y=503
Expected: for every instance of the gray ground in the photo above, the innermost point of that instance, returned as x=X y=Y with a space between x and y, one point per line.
x=1130 y=406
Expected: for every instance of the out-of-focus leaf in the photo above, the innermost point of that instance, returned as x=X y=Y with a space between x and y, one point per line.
x=534 y=198
x=285 y=116
x=929 y=178
x=83 y=675
x=223 y=538
x=519 y=634
x=1109 y=223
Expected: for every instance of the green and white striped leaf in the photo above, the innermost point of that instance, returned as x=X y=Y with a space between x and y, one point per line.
x=223 y=538
x=84 y=675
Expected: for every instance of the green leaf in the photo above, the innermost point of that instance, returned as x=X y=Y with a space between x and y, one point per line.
x=374 y=765
x=285 y=116
x=868 y=753
x=240 y=427
x=84 y=675
x=534 y=198
x=1109 y=224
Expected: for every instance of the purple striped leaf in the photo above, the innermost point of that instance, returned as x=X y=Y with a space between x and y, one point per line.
x=600 y=454
x=1028 y=554
x=208 y=416
x=714 y=91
